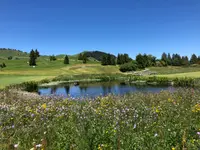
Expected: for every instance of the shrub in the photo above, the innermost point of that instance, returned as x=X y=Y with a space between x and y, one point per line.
x=10 y=58
x=128 y=67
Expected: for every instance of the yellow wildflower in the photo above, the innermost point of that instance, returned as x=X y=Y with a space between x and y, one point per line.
x=157 y=110
x=196 y=108
x=44 y=106
x=173 y=148
x=99 y=147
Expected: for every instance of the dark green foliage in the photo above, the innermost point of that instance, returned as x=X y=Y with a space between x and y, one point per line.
x=104 y=60
x=98 y=55
x=141 y=61
x=37 y=53
x=66 y=60
x=84 y=58
x=193 y=59
x=176 y=60
x=3 y=65
x=80 y=56
x=123 y=58
x=33 y=56
x=113 y=61
x=30 y=86
x=10 y=58
x=108 y=59
x=128 y=67
x=145 y=61
x=52 y=58
x=169 y=59
x=185 y=61
x=164 y=58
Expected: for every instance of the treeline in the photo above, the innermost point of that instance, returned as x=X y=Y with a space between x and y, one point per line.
x=108 y=59
x=83 y=57
x=178 y=60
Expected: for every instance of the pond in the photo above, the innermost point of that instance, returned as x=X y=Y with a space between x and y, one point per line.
x=99 y=89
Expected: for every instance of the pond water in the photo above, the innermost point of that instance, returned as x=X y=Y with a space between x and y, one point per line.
x=99 y=89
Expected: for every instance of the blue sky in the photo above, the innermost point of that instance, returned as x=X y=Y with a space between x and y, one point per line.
x=114 y=26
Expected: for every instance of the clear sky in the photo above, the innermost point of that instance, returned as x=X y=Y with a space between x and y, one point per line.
x=114 y=26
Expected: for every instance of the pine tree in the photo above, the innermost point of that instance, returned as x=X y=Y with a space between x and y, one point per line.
x=84 y=58
x=52 y=58
x=3 y=65
x=66 y=60
x=119 y=59
x=109 y=59
x=80 y=56
x=140 y=61
x=193 y=59
x=33 y=57
x=37 y=53
x=169 y=59
x=164 y=58
x=104 y=60
x=113 y=61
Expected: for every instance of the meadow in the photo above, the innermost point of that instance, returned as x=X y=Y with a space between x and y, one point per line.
x=165 y=120
x=136 y=121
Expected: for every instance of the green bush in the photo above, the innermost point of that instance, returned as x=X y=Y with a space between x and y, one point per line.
x=128 y=67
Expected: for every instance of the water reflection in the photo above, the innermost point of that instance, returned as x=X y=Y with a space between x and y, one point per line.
x=96 y=89
x=67 y=89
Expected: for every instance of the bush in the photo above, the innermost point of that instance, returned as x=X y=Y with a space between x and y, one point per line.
x=10 y=58
x=128 y=67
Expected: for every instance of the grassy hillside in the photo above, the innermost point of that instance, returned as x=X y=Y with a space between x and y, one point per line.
x=12 y=52
x=18 y=71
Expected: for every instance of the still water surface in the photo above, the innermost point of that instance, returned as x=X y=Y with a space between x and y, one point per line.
x=97 y=89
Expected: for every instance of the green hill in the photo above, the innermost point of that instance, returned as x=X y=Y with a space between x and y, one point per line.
x=96 y=54
x=6 y=52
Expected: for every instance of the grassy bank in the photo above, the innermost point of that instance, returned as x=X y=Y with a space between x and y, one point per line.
x=136 y=121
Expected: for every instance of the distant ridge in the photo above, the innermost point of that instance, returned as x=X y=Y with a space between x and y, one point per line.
x=6 y=52
x=96 y=54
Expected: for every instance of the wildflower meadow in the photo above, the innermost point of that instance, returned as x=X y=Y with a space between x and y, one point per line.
x=138 y=121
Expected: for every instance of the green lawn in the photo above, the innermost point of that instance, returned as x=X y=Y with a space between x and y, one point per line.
x=18 y=71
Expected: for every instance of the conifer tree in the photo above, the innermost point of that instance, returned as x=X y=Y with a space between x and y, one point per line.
x=66 y=60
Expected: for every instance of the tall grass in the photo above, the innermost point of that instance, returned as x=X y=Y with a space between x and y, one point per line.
x=136 y=121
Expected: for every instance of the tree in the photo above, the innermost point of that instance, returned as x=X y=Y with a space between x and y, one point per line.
x=140 y=61
x=66 y=60
x=113 y=61
x=52 y=58
x=193 y=59
x=10 y=58
x=104 y=60
x=109 y=59
x=169 y=59
x=37 y=53
x=33 y=57
x=3 y=65
x=164 y=58
x=176 y=60
x=119 y=62
x=185 y=60
x=80 y=56
x=130 y=66
x=84 y=58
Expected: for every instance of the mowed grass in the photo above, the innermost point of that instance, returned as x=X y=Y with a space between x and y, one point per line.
x=18 y=71
x=175 y=69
